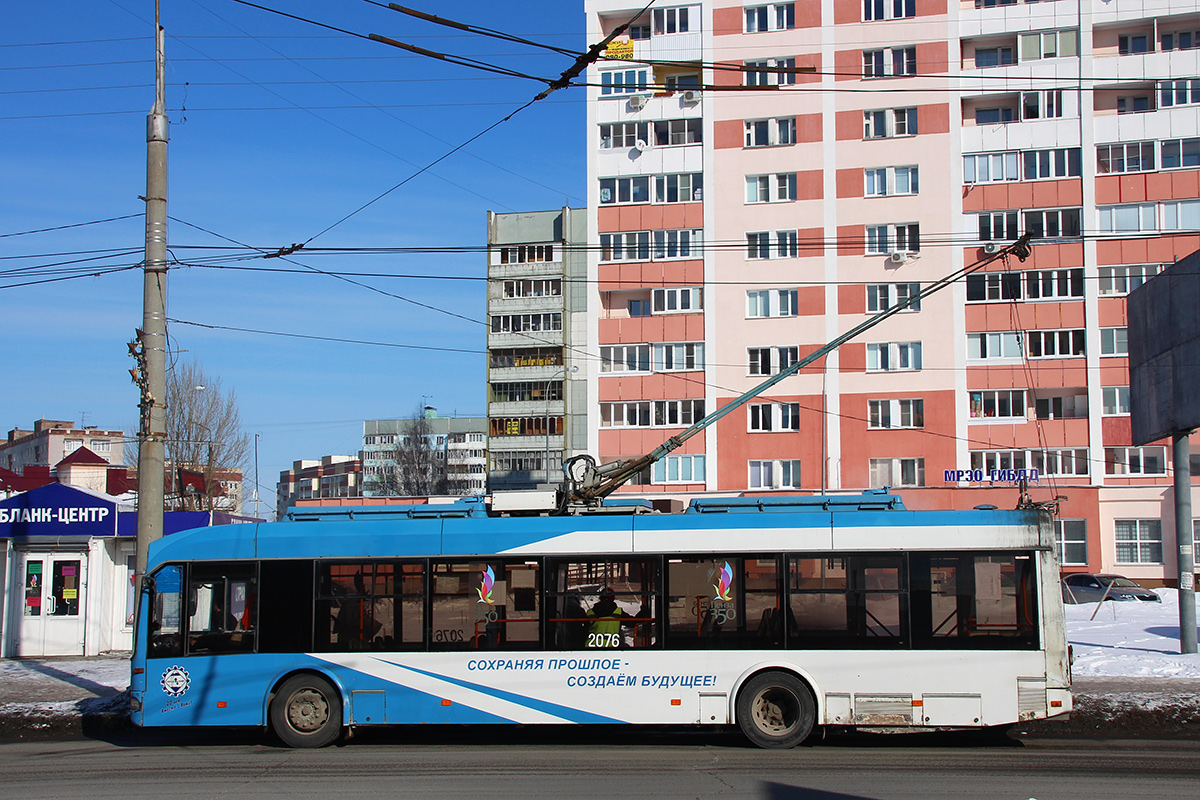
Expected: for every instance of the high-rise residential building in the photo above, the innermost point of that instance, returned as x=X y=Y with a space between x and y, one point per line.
x=764 y=176
x=329 y=477
x=537 y=304
x=428 y=455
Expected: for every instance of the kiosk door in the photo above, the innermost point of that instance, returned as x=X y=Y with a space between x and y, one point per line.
x=50 y=619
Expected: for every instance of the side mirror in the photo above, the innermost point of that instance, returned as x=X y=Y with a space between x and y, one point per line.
x=148 y=583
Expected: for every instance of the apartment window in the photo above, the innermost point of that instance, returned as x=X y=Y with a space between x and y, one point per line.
x=677 y=244
x=875 y=10
x=1139 y=541
x=1067 y=406
x=775 y=474
x=1116 y=400
x=771 y=360
x=635 y=189
x=639 y=308
x=669 y=132
x=1134 y=104
x=770 y=132
x=625 y=246
x=771 y=17
x=994 y=3
x=1070 y=540
x=1126 y=157
x=625 y=415
x=672 y=20
x=771 y=72
x=1130 y=44
x=887 y=123
x=681 y=357
x=1129 y=218
x=524 y=426
x=71 y=445
x=758 y=245
x=1180 y=40
x=882 y=296
x=887 y=414
x=687 y=187
x=547 y=287
x=1046 y=104
x=675 y=413
x=887 y=472
x=1135 y=460
x=1114 y=342
x=1049 y=44
x=766 y=417
x=678 y=469
x=998 y=405
x=1180 y=153
x=1052 y=223
x=994 y=57
x=524 y=323
x=776 y=188
x=682 y=81
x=988 y=286
x=787 y=244
x=994 y=116
x=993 y=346
x=1064 y=162
x=681 y=300
x=624 y=134
x=998 y=225
x=100 y=446
x=1055 y=344
x=883 y=239
x=1180 y=215
x=617 y=82
x=762 y=303
x=625 y=358
x=525 y=391
x=1054 y=284
x=1122 y=279
x=1046 y=462
x=884 y=181
x=893 y=356
x=639 y=32
x=527 y=254
x=890 y=62
x=1181 y=92
x=990 y=167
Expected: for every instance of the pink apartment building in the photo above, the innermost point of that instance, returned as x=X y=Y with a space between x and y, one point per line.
x=762 y=176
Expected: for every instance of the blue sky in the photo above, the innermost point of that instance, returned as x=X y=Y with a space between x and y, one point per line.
x=278 y=130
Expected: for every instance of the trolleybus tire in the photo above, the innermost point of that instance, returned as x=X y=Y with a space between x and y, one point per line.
x=306 y=712
x=775 y=710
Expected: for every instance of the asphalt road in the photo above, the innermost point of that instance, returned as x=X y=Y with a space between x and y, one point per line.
x=450 y=763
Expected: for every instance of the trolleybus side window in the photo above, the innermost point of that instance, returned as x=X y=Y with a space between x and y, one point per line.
x=856 y=601
x=486 y=605
x=222 y=608
x=166 y=618
x=974 y=601
x=602 y=604
x=723 y=601
x=369 y=605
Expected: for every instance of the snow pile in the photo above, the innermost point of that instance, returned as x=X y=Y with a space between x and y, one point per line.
x=1129 y=639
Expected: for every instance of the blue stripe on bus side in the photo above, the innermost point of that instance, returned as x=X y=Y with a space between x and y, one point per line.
x=570 y=714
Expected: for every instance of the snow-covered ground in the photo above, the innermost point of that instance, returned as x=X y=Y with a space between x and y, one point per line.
x=1129 y=639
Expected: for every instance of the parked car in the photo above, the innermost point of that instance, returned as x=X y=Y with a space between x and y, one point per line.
x=1088 y=588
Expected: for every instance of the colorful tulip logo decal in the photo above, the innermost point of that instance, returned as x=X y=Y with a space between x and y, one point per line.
x=725 y=578
x=485 y=591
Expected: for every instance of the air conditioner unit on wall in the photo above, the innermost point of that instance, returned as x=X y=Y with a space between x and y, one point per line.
x=991 y=248
x=898 y=257
x=690 y=97
x=638 y=101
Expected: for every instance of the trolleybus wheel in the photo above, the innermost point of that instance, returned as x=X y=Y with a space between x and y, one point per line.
x=306 y=712
x=775 y=710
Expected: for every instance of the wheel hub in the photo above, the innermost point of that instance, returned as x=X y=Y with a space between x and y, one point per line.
x=307 y=711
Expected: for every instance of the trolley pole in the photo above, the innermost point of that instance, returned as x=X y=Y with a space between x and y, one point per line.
x=152 y=430
x=1183 y=538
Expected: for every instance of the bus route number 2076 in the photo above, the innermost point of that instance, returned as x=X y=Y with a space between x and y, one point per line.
x=604 y=640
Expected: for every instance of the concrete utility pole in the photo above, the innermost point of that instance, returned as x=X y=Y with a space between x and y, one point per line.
x=152 y=432
x=1183 y=537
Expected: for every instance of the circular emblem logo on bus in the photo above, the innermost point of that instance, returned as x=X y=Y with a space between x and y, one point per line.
x=175 y=681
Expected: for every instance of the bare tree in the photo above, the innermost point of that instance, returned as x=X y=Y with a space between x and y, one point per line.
x=418 y=463
x=204 y=430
